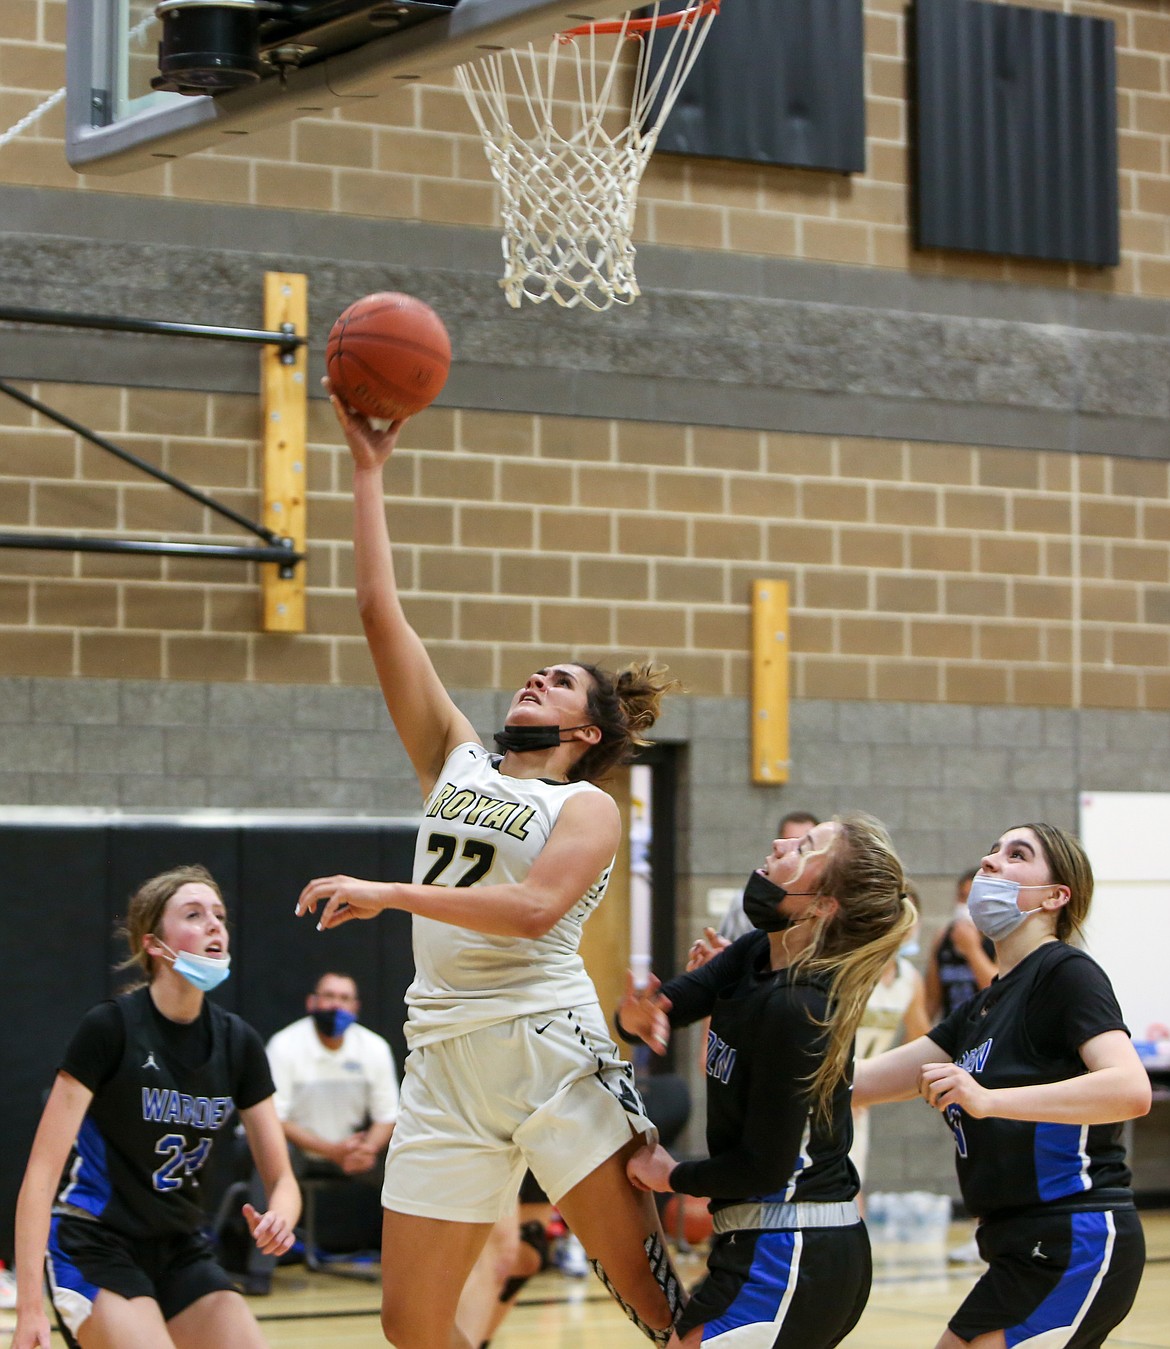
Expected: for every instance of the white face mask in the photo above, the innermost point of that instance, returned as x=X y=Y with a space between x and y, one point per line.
x=994 y=905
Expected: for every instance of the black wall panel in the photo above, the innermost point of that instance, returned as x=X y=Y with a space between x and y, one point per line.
x=65 y=887
x=275 y=864
x=54 y=918
x=778 y=82
x=1016 y=132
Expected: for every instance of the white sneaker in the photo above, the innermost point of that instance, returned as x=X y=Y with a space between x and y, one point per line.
x=967 y=1254
x=571 y=1258
x=7 y=1288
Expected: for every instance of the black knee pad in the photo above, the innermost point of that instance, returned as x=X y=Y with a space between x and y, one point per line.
x=531 y=1234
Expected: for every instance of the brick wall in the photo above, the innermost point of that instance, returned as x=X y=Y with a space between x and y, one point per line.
x=918 y=571
x=419 y=157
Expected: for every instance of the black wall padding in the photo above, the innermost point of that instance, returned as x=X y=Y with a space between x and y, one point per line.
x=65 y=889
x=778 y=82
x=1016 y=132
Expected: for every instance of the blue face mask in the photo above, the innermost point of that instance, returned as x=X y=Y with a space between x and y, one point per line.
x=205 y=972
x=909 y=949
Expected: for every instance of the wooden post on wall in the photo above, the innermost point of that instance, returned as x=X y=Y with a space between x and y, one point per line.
x=770 y=750
x=284 y=396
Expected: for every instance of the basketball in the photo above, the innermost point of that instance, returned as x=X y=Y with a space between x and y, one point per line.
x=696 y=1226
x=388 y=355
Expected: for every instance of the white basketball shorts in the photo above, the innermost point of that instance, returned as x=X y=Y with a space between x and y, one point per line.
x=548 y=1092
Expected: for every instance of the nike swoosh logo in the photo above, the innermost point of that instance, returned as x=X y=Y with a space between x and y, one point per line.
x=540 y=1030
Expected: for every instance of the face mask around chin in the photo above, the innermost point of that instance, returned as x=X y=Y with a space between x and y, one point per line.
x=909 y=949
x=204 y=972
x=332 y=1022
x=761 y=900
x=994 y=906
x=520 y=739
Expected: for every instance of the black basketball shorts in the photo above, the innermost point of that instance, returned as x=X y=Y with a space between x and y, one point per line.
x=791 y=1289
x=1061 y=1279
x=85 y=1257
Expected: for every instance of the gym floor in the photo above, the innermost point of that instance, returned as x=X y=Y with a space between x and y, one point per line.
x=913 y=1292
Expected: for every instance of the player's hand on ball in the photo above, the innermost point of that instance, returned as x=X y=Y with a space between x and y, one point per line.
x=370 y=447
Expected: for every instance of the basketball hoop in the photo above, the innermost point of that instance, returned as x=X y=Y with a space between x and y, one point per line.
x=568 y=144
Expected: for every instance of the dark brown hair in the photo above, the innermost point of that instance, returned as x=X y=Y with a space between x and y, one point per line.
x=1068 y=865
x=622 y=706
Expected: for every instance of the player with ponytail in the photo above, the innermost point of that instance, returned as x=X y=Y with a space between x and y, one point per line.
x=511 y=1065
x=790 y=1264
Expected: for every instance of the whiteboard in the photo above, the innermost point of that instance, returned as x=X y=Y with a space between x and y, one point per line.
x=1127 y=838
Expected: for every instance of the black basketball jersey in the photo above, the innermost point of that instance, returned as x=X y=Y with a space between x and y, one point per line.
x=764 y=1042
x=954 y=974
x=154 y=1117
x=1026 y=1028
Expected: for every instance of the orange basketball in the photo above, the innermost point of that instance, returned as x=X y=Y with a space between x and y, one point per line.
x=695 y=1219
x=388 y=355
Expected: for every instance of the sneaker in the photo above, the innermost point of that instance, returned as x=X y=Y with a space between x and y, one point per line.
x=967 y=1254
x=7 y=1288
x=571 y=1258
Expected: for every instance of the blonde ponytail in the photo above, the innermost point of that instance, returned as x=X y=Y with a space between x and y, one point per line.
x=852 y=946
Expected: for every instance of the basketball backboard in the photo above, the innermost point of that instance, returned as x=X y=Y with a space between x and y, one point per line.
x=311 y=56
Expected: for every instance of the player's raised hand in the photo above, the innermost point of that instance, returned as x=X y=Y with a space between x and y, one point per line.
x=705 y=948
x=344 y=897
x=642 y=1012
x=369 y=446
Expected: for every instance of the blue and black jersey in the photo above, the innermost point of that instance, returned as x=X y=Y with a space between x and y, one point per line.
x=1027 y=1028
x=763 y=1046
x=954 y=974
x=163 y=1092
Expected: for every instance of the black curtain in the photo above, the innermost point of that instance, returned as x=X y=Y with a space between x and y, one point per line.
x=65 y=889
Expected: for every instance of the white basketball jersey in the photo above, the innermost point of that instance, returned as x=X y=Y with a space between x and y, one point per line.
x=884 y=1011
x=480 y=827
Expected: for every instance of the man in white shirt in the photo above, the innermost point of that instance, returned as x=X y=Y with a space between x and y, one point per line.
x=336 y=1089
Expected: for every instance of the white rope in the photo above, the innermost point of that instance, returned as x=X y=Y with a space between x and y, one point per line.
x=135 y=35
x=30 y=117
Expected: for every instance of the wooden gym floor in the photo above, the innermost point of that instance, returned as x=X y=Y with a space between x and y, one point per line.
x=913 y=1293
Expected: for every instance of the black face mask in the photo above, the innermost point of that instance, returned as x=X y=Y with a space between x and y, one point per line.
x=761 y=901
x=332 y=1022
x=519 y=739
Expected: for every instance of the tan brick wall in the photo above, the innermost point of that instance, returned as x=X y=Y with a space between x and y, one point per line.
x=917 y=572
x=419 y=157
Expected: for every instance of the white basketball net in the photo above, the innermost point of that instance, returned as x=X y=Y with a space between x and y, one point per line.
x=568 y=146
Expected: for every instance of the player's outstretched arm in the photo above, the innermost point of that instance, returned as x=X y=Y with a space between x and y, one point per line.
x=428 y=722
x=580 y=847
x=894 y=1075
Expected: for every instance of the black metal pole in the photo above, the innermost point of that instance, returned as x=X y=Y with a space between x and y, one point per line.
x=85 y=543
x=261 y=531
x=287 y=341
